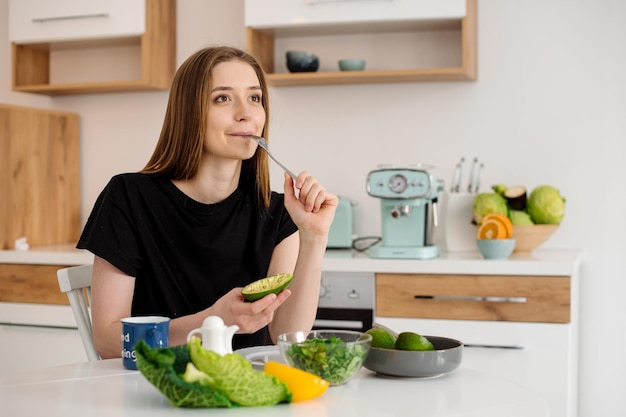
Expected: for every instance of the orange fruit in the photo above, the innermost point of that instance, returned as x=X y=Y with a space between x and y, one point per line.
x=491 y=229
x=302 y=385
x=504 y=220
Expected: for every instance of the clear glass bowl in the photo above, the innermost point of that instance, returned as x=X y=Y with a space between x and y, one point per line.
x=334 y=355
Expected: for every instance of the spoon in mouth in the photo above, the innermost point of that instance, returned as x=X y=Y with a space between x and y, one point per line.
x=263 y=144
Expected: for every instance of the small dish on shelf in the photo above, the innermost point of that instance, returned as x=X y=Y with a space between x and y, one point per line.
x=300 y=61
x=351 y=64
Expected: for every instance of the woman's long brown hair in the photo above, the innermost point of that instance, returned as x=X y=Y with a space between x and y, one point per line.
x=179 y=150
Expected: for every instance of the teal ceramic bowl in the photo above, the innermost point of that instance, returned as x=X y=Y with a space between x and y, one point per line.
x=351 y=64
x=495 y=248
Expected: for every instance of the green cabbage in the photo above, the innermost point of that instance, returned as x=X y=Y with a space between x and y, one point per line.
x=162 y=367
x=520 y=218
x=546 y=205
x=192 y=376
x=486 y=203
x=234 y=376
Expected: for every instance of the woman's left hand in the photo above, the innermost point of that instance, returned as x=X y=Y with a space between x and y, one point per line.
x=314 y=208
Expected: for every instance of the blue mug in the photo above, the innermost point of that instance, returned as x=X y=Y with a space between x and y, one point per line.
x=154 y=330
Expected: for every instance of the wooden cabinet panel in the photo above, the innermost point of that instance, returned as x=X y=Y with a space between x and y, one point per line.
x=474 y=297
x=39 y=176
x=31 y=284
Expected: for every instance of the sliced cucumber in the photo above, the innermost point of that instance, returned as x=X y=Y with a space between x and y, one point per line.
x=259 y=289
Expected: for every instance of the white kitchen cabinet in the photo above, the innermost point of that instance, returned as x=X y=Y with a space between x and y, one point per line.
x=287 y=13
x=523 y=328
x=401 y=40
x=32 y=21
x=37 y=326
x=29 y=348
x=92 y=46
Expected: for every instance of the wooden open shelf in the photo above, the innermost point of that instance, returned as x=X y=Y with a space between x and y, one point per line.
x=31 y=71
x=261 y=43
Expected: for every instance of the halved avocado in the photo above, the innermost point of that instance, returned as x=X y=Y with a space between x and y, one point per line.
x=260 y=288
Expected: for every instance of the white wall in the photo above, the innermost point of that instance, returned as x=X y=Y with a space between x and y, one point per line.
x=548 y=107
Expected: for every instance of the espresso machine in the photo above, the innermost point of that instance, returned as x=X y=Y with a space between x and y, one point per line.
x=408 y=203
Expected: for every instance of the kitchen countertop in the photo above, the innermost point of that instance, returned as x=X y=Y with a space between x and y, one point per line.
x=542 y=263
x=105 y=388
x=47 y=255
x=538 y=262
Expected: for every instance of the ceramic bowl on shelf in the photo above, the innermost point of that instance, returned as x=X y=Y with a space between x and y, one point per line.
x=351 y=64
x=300 y=61
x=446 y=357
x=531 y=237
x=495 y=248
x=334 y=355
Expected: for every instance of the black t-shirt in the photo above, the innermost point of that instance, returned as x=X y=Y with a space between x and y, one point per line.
x=184 y=254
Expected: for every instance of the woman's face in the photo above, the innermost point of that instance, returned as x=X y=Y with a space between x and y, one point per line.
x=235 y=110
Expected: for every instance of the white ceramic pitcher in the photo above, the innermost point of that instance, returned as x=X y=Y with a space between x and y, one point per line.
x=216 y=336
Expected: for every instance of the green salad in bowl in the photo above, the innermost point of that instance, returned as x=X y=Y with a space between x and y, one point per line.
x=192 y=376
x=334 y=355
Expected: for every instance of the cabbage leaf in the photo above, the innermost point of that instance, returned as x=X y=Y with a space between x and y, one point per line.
x=162 y=367
x=234 y=376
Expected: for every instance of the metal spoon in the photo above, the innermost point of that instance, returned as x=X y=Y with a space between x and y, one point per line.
x=263 y=144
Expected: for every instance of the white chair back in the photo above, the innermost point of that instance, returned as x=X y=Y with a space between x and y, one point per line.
x=76 y=283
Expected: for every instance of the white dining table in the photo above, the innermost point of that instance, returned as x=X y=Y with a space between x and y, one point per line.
x=105 y=388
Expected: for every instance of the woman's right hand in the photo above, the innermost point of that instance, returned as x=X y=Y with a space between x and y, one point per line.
x=248 y=316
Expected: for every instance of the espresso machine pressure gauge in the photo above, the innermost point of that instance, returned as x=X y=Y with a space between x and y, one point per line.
x=398 y=183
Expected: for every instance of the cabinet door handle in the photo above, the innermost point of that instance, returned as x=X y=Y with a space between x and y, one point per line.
x=340 y=324
x=473 y=345
x=78 y=16
x=471 y=298
x=314 y=2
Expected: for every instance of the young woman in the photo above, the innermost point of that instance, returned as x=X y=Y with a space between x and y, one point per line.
x=181 y=237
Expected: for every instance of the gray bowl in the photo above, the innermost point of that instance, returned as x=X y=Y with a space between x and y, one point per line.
x=299 y=61
x=445 y=358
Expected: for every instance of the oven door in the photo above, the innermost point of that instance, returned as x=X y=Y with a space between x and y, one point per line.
x=346 y=301
x=344 y=319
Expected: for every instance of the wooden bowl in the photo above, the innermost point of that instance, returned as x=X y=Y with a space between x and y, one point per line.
x=531 y=237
